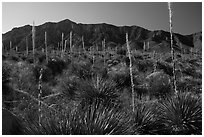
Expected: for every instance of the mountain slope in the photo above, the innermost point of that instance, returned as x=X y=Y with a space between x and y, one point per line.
x=94 y=34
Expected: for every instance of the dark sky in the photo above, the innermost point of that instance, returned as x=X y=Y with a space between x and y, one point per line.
x=187 y=17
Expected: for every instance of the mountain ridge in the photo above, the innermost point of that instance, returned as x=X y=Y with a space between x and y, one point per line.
x=94 y=34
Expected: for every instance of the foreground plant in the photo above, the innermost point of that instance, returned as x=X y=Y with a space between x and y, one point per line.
x=145 y=119
x=182 y=114
x=92 y=119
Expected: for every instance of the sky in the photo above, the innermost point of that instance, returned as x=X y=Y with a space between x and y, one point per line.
x=187 y=17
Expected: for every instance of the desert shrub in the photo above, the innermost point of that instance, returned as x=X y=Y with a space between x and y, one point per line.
x=41 y=58
x=168 y=60
x=46 y=90
x=56 y=65
x=138 y=57
x=5 y=79
x=103 y=72
x=145 y=65
x=7 y=91
x=15 y=58
x=191 y=71
x=69 y=87
x=122 y=79
x=83 y=71
x=24 y=57
x=121 y=51
x=141 y=91
x=165 y=67
x=159 y=84
x=29 y=59
x=189 y=84
x=4 y=57
x=181 y=114
x=47 y=74
x=127 y=61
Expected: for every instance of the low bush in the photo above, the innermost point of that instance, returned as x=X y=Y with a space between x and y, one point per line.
x=56 y=65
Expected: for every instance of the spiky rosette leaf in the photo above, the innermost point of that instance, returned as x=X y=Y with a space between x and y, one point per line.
x=97 y=118
x=104 y=89
x=88 y=89
x=145 y=119
x=182 y=114
x=50 y=125
x=100 y=118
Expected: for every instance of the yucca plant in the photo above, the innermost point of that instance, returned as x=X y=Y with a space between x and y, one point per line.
x=102 y=118
x=181 y=114
x=89 y=89
x=93 y=119
x=48 y=126
x=104 y=89
x=145 y=119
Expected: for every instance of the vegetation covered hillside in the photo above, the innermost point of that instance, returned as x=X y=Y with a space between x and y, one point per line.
x=88 y=89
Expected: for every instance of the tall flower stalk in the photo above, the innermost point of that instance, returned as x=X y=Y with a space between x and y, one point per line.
x=131 y=75
x=62 y=46
x=10 y=45
x=172 y=49
x=65 y=45
x=39 y=96
x=104 y=51
x=46 y=47
x=71 y=41
x=33 y=40
x=83 y=43
x=27 y=45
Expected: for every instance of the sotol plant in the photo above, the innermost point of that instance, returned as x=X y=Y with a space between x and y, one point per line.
x=93 y=119
x=181 y=114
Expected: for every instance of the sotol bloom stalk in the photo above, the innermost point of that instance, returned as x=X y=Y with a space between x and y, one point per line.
x=10 y=45
x=65 y=45
x=131 y=75
x=33 y=40
x=46 y=47
x=83 y=43
x=27 y=45
x=172 y=49
x=104 y=51
x=39 y=95
x=71 y=41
